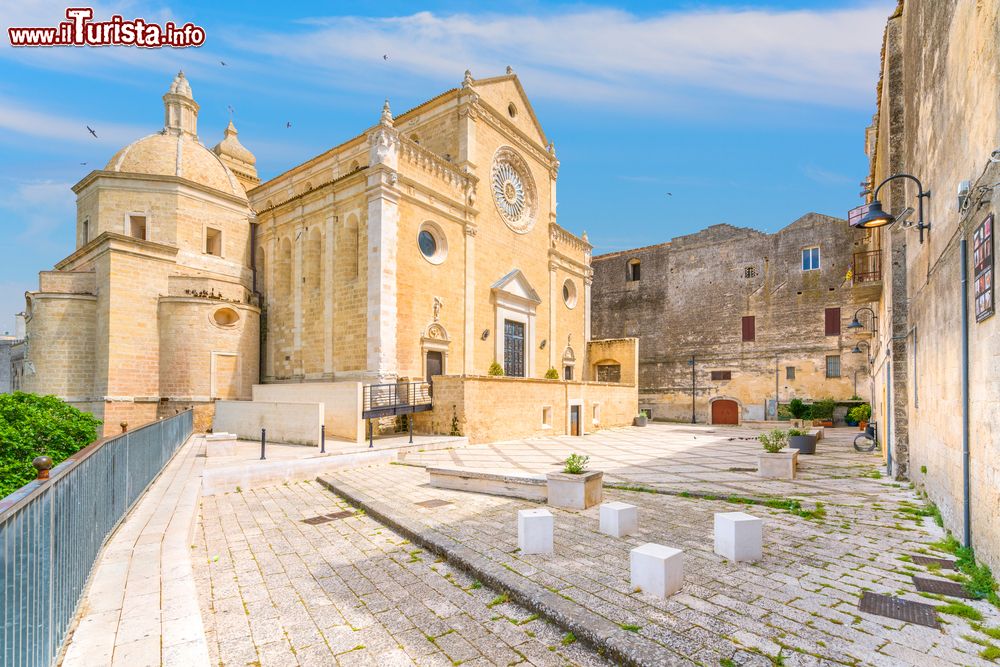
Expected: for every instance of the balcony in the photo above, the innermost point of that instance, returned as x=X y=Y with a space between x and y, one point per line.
x=867 y=267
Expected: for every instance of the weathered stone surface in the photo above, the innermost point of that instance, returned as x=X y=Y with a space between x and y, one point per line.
x=575 y=491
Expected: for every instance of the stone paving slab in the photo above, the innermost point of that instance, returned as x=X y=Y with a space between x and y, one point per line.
x=799 y=605
x=276 y=591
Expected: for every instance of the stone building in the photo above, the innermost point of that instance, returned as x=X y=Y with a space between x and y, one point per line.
x=154 y=311
x=937 y=119
x=11 y=353
x=729 y=318
x=425 y=246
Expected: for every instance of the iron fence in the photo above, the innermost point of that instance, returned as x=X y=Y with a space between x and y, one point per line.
x=383 y=400
x=51 y=533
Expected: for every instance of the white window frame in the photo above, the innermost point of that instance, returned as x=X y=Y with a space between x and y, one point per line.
x=819 y=258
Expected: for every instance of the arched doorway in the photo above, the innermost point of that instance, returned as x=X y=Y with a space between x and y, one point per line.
x=725 y=411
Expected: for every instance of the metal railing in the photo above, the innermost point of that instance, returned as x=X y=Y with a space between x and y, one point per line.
x=384 y=400
x=52 y=531
x=868 y=266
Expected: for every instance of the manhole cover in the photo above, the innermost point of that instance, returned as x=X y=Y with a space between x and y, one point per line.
x=430 y=504
x=341 y=515
x=316 y=520
x=901 y=610
x=943 y=563
x=941 y=586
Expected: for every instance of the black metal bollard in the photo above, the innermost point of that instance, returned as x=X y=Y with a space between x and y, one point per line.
x=263 y=441
x=322 y=439
x=409 y=422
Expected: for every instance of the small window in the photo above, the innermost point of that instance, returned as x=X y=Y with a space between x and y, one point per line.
x=633 y=271
x=810 y=259
x=569 y=293
x=750 y=272
x=414 y=138
x=597 y=413
x=567 y=372
x=749 y=328
x=432 y=243
x=511 y=110
x=722 y=375
x=648 y=412
x=833 y=366
x=226 y=317
x=547 y=416
x=85 y=231
x=789 y=372
x=213 y=241
x=832 y=321
x=428 y=246
x=137 y=226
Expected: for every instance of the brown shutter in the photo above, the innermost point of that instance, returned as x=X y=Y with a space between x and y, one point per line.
x=833 y=321
x=749 y=328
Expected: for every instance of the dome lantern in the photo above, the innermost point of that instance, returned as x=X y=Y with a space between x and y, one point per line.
x=180 y=111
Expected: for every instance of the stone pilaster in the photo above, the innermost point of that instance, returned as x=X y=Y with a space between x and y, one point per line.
x=297 y=272
x=470 y=299
x=329 y=318
x=553 y=302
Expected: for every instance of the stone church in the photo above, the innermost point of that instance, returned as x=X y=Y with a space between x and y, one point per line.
x=425 y=246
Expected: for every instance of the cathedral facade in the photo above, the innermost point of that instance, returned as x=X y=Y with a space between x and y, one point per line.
x=425 y=246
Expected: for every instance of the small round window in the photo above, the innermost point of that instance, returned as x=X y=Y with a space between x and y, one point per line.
x=432 y=243
x=226 y=317
x=511 y=110
x=569 y=293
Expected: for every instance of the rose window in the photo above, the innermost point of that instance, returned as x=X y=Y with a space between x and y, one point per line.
x=512 y=190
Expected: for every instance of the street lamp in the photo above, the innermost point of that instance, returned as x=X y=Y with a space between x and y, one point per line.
x=875 y=216
x=857 y=350
x=856 y=323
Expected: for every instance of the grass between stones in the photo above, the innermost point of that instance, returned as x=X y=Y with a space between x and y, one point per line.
x=790 y=505
x=978 y=579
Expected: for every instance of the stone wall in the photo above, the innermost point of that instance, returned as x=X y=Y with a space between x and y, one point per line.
x=341 y=404
x=291 y=423
x=941 y=61
x=690 y=300
x=490 y=409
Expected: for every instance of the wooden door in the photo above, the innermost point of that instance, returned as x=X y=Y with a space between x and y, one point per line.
x=574 y=420
x=435 y=365
x=725 y=412
x=513 y=348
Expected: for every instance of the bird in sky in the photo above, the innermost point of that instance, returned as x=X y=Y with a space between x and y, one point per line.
x=670 y=194
x=288 y=124
x=231 y=110
x=83 y=164
x=385 y=56
x=91 y=130
x=223 y=63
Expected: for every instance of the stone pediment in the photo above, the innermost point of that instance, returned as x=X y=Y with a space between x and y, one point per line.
x=515 y=284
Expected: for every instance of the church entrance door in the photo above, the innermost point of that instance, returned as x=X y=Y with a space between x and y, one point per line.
x=435 y=365
x=513 y=348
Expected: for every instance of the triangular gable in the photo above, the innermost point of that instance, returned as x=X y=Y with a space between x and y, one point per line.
x=499 y=91
x=515 y=284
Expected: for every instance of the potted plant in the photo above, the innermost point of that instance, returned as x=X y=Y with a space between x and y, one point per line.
x=640 y=419
x=496 y=370
x=822 y=411
x=860 y=414
x=802 y=441
x=799 y=412
x=552 y=374
x=575 y=488
x=776 y=460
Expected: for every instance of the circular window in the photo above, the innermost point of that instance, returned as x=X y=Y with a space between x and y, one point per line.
x=432 y=243
x=226 y=317
x=569 y=293
x=513 y=190
x=511 y=110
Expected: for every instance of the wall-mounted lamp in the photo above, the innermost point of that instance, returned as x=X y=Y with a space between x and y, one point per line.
x=871 y=215
x=542 y=346
x=857 y=350
x=486 y=334
x=856 y=323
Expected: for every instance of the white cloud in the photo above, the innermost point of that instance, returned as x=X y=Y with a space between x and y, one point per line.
x=39 y=213
x=22 y=120
x=608 y=56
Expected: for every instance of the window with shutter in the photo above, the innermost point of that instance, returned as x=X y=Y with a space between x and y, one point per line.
x=749 y=328
x=833 y=321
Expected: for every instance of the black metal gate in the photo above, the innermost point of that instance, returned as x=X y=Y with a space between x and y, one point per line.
x=513 y=348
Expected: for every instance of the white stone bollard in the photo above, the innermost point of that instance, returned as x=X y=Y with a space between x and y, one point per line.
x=657 y=570
x=739 y=536
x=619 y=519
x=534 y=531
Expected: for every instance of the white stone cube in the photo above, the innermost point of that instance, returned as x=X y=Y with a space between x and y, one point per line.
x=739 y=536
x=657 y=570
x=534 y=531
x=619 y=519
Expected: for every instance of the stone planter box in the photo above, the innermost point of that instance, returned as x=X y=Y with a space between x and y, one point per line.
x=575 y=492
x=800 y=423
x=639 y=421
x=806 y=444
x=780 y=465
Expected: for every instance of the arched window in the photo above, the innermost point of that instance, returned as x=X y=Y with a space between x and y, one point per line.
x=632 y=270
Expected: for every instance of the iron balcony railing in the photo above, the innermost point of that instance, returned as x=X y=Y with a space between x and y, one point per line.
x=52 y=531
x=385 y=400
x=868 y=266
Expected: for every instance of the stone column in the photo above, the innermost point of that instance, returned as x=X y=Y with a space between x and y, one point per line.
x=329 y=321
x=469 y=342
x=553 y=301
x=271 y=350
x=298 y=237
x=588 y=280
x=383 y=229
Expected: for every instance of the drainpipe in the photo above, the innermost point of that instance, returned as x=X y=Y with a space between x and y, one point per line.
x=966 y=509
x=692 y=388
x=888 y=417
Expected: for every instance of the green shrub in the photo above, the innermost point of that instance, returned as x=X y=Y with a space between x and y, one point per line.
x=860 y=413
x=823 y=409
x=798 y=409
x=552 y=374
x=495 y=369
x=773 y=441
x=575 y=464
x=33 y=426
x=784 y=412
x=795 y=431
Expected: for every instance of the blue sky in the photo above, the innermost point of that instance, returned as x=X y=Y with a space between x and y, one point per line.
x=750 y=113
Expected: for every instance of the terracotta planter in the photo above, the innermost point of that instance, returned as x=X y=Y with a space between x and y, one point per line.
x=780 y=465
x=806 y=444
x=575 y=492
x=828 y=423
x=862 y=426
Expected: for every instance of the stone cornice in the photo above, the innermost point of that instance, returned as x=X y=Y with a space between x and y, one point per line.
x=560 y=235
x=316 y=188
x=107 y=241
x=99 y=174
x=504 y=126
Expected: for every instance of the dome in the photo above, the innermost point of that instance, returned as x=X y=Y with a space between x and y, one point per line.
x=232 y=147
x=182 y=155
